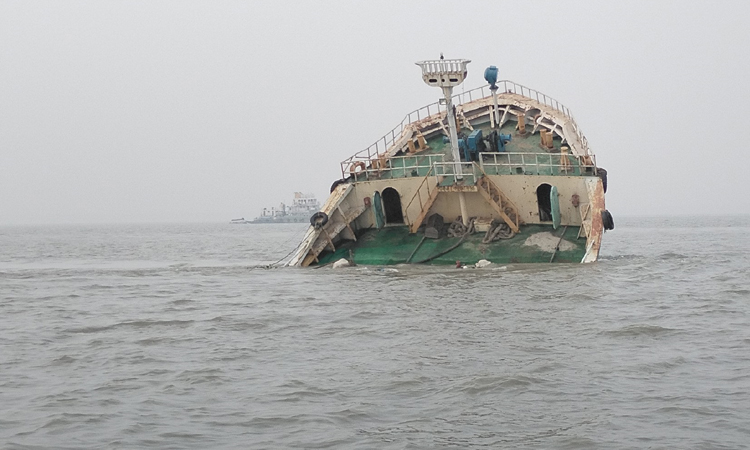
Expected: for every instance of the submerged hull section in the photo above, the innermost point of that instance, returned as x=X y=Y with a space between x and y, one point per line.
x=395 y=245
x=527 y=190
x=369 y=240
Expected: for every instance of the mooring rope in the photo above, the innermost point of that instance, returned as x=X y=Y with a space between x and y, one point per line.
x=275 y=263
x=456 y=225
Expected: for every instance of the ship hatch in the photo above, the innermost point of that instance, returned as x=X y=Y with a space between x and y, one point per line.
x=392 y=206
x=542 y=198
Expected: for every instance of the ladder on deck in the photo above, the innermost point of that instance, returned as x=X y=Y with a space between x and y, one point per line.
x=414 y=226
x=426 y=203
x=499 y=202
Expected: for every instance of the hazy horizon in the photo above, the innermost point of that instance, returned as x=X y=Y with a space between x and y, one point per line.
x=201 y=112
x=302 y=224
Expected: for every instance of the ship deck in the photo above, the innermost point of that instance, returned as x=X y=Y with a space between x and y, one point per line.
x=523 y=155
x=394 y=245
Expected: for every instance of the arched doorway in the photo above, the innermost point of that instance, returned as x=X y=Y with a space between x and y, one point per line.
x=392 y=206
x=542 y=199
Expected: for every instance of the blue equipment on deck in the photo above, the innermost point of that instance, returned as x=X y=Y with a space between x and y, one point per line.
x=462 y=146
x=475 y=145
x=502 y=139
x=470 y=147
x=474 y=138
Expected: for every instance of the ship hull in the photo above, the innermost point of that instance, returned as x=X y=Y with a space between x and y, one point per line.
x=526 y=190
x=353 y=233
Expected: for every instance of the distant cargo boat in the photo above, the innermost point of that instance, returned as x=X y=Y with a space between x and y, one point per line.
x=498 y=174
x=303 y=206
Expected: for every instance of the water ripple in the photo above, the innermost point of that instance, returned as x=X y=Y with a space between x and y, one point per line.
x=165 y=337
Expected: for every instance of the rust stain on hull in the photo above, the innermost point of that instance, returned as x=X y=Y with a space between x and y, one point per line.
x=596 y=197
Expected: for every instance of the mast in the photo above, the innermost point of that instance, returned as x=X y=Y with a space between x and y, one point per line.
x=490 y=75
x=447 y=74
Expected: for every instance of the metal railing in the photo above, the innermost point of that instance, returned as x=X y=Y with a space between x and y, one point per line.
x=440 y=174
x=512 y=163
x=384 y=143
x=394 y=167
x=466 y=173
x=515 y=88
x=421 y=196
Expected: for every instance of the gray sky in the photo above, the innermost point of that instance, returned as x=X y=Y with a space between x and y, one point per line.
x=173 y=111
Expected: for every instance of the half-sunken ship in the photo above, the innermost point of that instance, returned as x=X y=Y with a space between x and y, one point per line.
x=500 y=173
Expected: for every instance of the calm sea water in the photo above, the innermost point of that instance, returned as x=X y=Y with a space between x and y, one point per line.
x=167 y=336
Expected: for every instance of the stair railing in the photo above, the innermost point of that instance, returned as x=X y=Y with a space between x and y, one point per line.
x=504 y=198
x=421 y=199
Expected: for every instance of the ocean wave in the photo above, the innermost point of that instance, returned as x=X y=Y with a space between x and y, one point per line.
x=137 y=324
x=641 y=330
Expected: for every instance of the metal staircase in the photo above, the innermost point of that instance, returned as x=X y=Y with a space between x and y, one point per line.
x=414 y=226
x=420 y=203
x=499 y=202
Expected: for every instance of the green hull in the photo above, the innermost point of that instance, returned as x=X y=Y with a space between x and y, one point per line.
x=394 y=245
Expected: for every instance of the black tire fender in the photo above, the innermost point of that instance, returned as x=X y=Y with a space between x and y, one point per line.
x=602 y=173
x=337 y=183
x=319 y=219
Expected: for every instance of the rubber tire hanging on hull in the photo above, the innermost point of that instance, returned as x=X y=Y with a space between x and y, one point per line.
x=602 y=173
x=337 y=183
x=607 y=220
x=319 y=219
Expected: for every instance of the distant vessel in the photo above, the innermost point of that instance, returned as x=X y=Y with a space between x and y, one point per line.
x=303 y=205
x=499 y=175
